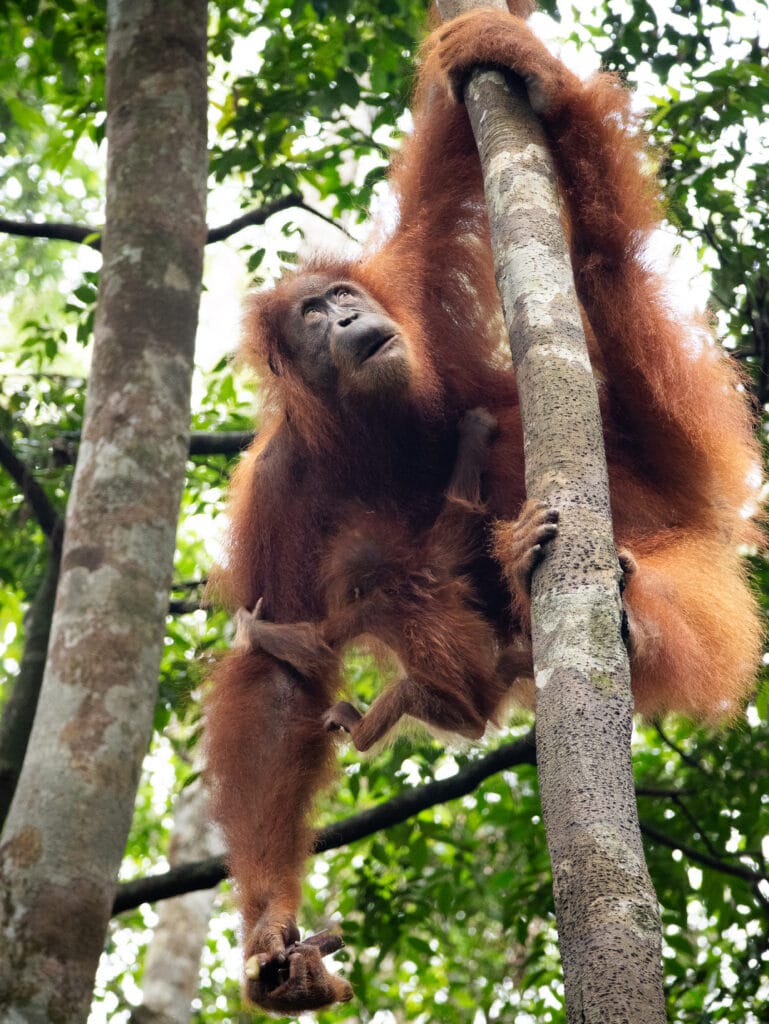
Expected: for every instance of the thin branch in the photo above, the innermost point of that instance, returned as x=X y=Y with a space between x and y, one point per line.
x=256 y=217
x=184 y=878
x=191 y=584
x=91 y=236
x=207 y=873
x=420 y=798
x=186 y=605
x=670 y=794
x=48 y=518
x=228 y=442
x=691 y=761
x=202 y=443
x=698 y=830
x=708 y=231
x=252 y=218
x=736 y=870
x=22 y=701
x=56 y=231
x=329 y=220
x=178 y=607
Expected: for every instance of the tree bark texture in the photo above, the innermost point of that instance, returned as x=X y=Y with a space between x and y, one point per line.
x=606 y=908
x=170 y=981
x=66 y=830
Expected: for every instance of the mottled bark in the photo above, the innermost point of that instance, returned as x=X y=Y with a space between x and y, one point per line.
x=606 y=908
x=170 y=980
x=66 y=830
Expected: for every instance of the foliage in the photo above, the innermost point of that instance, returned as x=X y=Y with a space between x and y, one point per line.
x=329 y=76
x=447 y=916
x=709 y=123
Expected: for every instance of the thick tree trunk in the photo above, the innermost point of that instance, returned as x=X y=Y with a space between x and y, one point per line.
x=606 y=908
x=66 y=830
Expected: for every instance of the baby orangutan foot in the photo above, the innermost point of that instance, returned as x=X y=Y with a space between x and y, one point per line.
x=246 y=635
x=296 y=979
x=478 y=425
x=341 y=716
x=300 y=644
x=519 y=545
x=475 y=432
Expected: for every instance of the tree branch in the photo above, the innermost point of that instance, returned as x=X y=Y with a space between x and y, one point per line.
x=329 y=220
x=186 y=605
x=228 y=442
x=206 y=873
x=202 y=442
x=48 y=518
x=179 y=607
x=91 y=236
x=53 y=231
x=253 y=218
x=707 y=860
x=697 y=828
x=686 y=758
x=670 y=794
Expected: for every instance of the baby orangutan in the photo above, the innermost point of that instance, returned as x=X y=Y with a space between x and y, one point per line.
x=411 y=594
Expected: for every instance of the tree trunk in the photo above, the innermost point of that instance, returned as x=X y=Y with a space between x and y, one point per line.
x=170 y=980
x=66 y=830
x=607 y=911
x=19 y=710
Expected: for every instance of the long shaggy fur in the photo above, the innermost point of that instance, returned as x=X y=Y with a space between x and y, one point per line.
x=682 y=459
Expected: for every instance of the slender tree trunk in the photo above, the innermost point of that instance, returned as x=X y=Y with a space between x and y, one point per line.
x=607 y=912
x=21 y=705
x=170 y=980
x=66 y=830
x=20 y=708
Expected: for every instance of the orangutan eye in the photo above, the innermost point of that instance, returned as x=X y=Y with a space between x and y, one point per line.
x=343 y=295
x=313 y=314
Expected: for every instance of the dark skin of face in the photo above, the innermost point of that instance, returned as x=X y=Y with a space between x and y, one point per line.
x=340 y=340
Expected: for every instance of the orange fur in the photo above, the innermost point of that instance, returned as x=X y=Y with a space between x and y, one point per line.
x=682 y=463
x=409 y=592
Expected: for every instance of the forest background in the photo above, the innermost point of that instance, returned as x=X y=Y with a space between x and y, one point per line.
x=448 y=913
